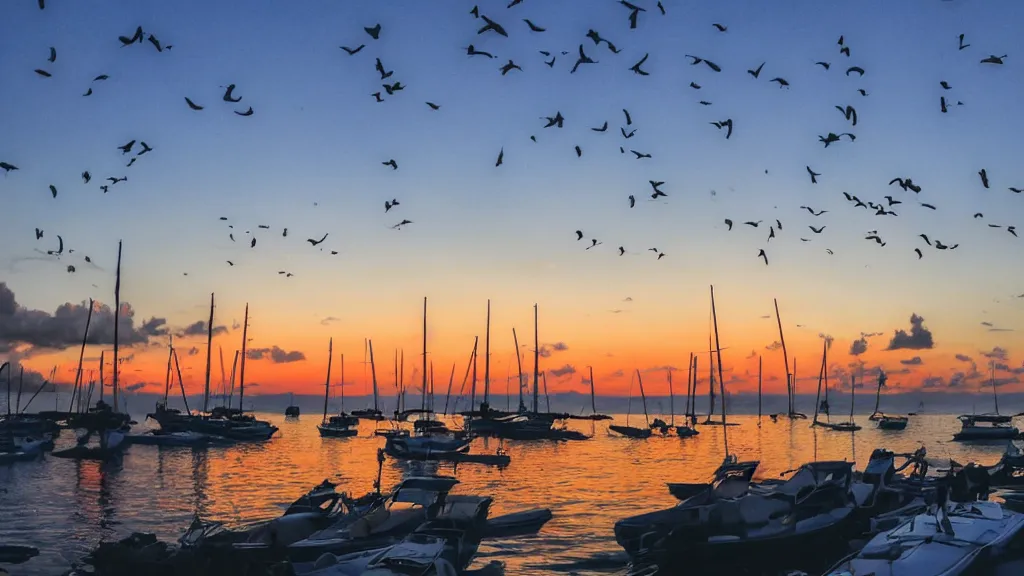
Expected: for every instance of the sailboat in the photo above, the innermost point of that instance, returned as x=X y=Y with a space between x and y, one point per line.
x=689 y=417
x=370 y=413
x=292 y=411
x=342 y=425
x=998 y=428
x=885 y=421
x=631 y=431
x=593 y=401
x=822 y=406
x=850 y=425
x=790 y=377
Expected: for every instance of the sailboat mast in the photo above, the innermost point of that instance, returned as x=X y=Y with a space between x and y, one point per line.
x=792 y=391
x=817 y=400
x=878 y=391
x=759 y=367
x=487 y=356
x=223 y=379
x=234 y=372
x=78 y=373
x=101 y=377
x=209 y=357
x=241 y=372
x=693 y=400
x=593 y=392
x=824 y=361
x=472 y=386
x=401 y=379
x=671 y=398
x=711 y=380
x=170 y=357
x=451 y=380
x=721 y=380
x=519 y=362
x=689 y=383
x=853 y=394
x=373 y=375
x=995 y=393
x=117 y=320
x=643 y=397
x=547 y=399
x=327 y=384
x=536 y=358
x=785 y=357
x=342 y=382
x=431 y=404
x=181 y=383
x=423 y=390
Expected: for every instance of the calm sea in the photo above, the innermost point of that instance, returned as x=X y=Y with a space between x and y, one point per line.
x=65 y=507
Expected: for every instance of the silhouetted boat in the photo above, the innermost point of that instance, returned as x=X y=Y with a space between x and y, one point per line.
x=973 y=426
x=632 y=431
x=341 y=425
x=292 y=411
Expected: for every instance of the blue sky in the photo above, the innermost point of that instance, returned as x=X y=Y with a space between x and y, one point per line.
x=317 y=136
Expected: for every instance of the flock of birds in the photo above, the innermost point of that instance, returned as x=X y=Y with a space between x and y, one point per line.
x=490 y=26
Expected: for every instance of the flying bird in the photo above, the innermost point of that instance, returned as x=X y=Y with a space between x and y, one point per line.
x=850 y=113
x=501 y=157
x=761 y=254
x=53 y=190
x=316 y=242
x=629 y=119
x=392 y=163
x=621 y=250
x=228 y=96
x=634 y=12
x=824 y=65
x=510 y=67
x=782 y=82
x=919 y=254
x=602 y=128
x=353 y=51
x=555 y=120
x=385 y=74
x=192 y=104
x=627 y=135
x=433 y=106
x=492 y=26
x=594 y=243
x=636 y=67
x=43 y=73
x=583 y=59
x=993 y=59
x=962 y=45
x=856 y=69
x=579 y=235
x=156 y=43
x=86 y=177
x=814 y=175
x=728 y=223
x=392 y=88
x=817 y=230
x=984 y=177
x=374 y=32
x=632 y=201
x=400 y=224
x=813 y=213
x=126 y=148
x=470 y=50
x=756 y=71
x=640 y=155
x=246 y=113
x=579 y=152
x=720 y=27
x=533 y=26
x=727 y=124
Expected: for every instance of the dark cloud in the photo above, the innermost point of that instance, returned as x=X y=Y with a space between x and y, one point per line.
x=870 y=334
x=198 y=328
x=753 y=354
x=64 y=327
x=136 y=387
x=546 y=350
x=919 y=337
x=194 y=350
x=566 y=370
x=963 y=358
x=330 y=320
x=275 y=355
x=997 y=353
x=938 y=382
x=660 y=369
x=773 y=346
x=915 y=361
x=858 y=346
x=828 y=339
x=559 y=347
x=617 y=374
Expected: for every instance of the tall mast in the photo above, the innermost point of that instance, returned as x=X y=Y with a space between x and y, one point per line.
x=817 y=400
x=342 y=382
x=995 y=393
x=81 y=358
x=181 y=383
x=792 y=391
x=234 y=372
x=398 y=388
x=696 y=379
x=671 y=398
x=878 y=392
x=451 y=380
x=536 y=358
x=170 y=357
x=472 y=386
x=327 y=385
x=223 y=378
x=759 y=366
x=593 y=393
x=487 y=356
x=721 y=380
x=785 y=358
x=241 y=372
x=643 y=397
x=101 y=376
x=424 y=384
x=117 y=320
x=431 y=386
x=401 y=378
x=519 y=361
x=373 y=375
x=209 y=357
x=689 y=382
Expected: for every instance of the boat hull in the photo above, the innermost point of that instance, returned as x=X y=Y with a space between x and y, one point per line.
x=631 y=432
x=332 y=432
x=987 y=433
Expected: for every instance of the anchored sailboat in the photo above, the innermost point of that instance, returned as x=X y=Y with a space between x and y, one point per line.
x=342 y=425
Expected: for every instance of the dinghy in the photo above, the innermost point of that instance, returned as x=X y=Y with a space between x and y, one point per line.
x=954 y=539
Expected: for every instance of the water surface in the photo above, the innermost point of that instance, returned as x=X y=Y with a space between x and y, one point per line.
x=65 y=507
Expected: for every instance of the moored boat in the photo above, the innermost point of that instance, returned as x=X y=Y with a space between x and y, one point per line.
x=985 y=427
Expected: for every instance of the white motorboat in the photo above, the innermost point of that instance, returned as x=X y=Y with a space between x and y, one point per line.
x=973 y=427
x=959 y=537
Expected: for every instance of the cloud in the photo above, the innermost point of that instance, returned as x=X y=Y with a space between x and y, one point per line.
x=194 y=350
x=963 y=358
x=330 y=320
x=828 y=339
x=627 y=299
x=773 y=346
x=753 y=354
x=616 y=311
x=566 y=370
x=660 y=369
x=275 y=355
x=136 y=387
x=919 y=337
x=997 y=353
x=235 y=324
x=940 y=382
x=546 y=350
x=617 y=374
x=915 y=361
x=858 y=347
x=989 y=324
x=199 y=329
x=870 y=334
x=64 y=327
x=772 y=378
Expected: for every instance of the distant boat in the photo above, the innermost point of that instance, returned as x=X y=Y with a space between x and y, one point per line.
x=292 y=410
x=885 y=422
x=998 y=428
x=632 y=431
x=343 y=425
x=920 y=410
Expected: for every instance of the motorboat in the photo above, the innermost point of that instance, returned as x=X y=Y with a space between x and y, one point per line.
x=886 y=422
x=952 y=539
x=413 y=502
x=985 y=427
x=731 y=466
x=339 y=426
x=732 y=521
